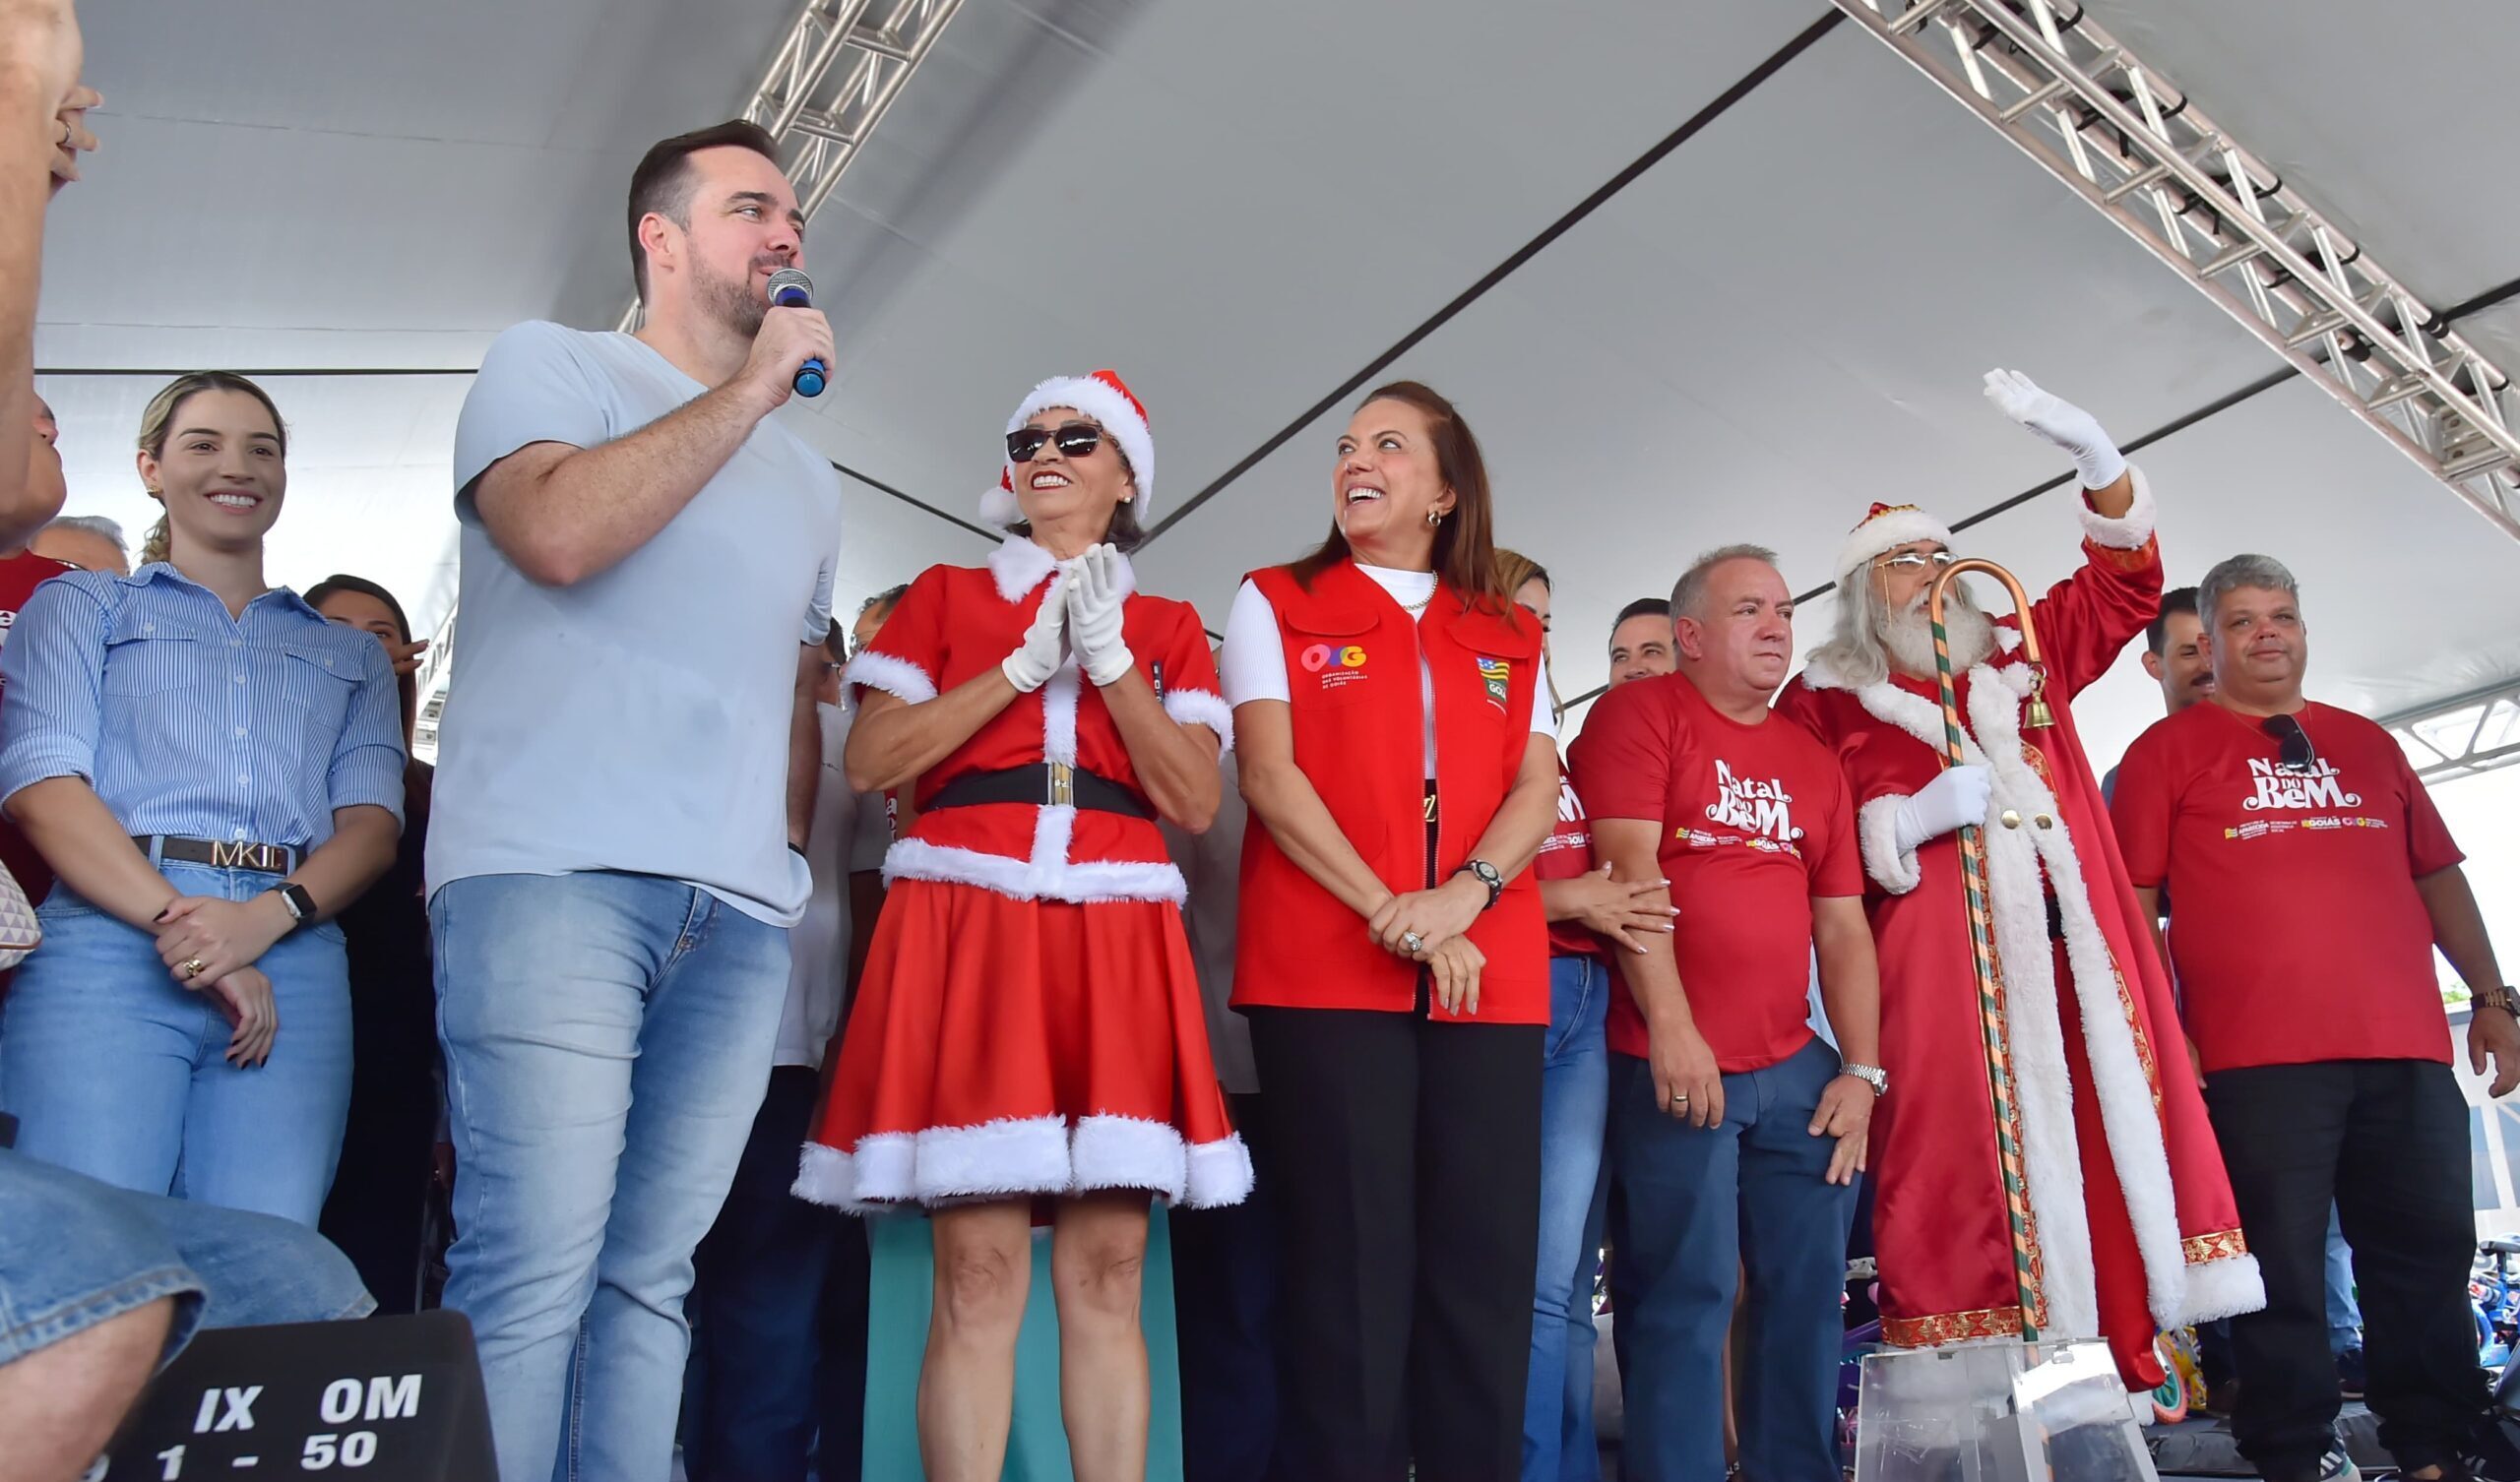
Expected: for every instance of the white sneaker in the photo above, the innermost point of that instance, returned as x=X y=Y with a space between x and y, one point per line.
x=2336 y=1467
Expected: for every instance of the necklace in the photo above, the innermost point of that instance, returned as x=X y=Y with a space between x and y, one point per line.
x=1418 y=606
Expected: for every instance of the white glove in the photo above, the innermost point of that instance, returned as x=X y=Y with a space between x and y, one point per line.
x=1950 y=801
x=2059 y=421
x=1094 y=605
x=1039 y=656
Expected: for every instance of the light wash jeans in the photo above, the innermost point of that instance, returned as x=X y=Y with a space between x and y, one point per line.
x=607 y=1040
x=75 y=1253
x=2344 y=1313
x=119 y=1074
x=1574 y=1098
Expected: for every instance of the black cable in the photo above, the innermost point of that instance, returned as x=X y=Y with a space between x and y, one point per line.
x=1748 y=83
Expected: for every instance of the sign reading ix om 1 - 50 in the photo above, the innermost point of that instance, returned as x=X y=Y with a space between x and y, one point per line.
x=388 y=1399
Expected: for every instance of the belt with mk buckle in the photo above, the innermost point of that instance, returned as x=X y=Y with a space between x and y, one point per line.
x=221 y=853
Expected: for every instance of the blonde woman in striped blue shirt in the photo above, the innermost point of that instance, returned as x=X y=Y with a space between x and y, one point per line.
x=212 y=770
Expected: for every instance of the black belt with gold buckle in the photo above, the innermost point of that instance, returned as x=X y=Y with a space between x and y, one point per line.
x=1045 y=784
x=220 y=853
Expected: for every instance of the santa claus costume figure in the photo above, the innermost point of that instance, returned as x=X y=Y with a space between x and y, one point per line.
x=1029 y=1027
x=2132 y=1223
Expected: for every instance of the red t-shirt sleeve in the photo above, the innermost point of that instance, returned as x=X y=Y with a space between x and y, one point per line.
x=1622 y=762
x=2142 y=809
x=2428 y=846
x=1836 y=866
x=908 y=655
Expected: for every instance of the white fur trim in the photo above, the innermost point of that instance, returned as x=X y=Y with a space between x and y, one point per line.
x=1884 y=533
x=1025 y=1155
x=1877 y=838
x=2131 y=1126
x=1130 y=1153
x=1105 y=405
x=1018 y=566
x=1044 y=877
x=2128 y=531
x=1202 y=708
x=998 y=507
x=2224 y=1289
x=1059 y=715
x=1219 y=1174
x=893 y=676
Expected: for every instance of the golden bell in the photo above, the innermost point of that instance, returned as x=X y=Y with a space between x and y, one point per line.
x=2038 y=716
x=2011 y=820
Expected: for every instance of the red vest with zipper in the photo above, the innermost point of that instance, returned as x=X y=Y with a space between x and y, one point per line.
x=1358 y=709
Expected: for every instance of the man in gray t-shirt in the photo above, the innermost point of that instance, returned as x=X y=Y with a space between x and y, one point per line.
x=628 y=762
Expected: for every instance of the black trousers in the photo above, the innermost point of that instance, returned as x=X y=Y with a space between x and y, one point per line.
x=2387 y=1141
x=1224 y=1299
x=1403 y=1161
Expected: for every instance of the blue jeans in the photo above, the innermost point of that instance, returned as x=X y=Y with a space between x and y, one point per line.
x=75 y=1253
x=1696 y=1205
x=1574 y=1097
x=120 y=1074
x=608 y=1039
x=2343 y=1316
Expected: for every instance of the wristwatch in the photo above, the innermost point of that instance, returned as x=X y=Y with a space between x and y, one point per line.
x=2502 y=998
x=1873 y=1076
x=301 y=906
x=1488 y=877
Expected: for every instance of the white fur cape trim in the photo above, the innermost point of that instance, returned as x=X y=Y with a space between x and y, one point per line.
x=1877 y=834
x=2224 y=1289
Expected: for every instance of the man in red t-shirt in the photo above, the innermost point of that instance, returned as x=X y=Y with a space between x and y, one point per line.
x=2313 y=880
x=1734 y=1133
x=39 y=498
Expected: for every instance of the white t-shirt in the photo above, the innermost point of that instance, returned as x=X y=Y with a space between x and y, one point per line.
x=638 y=720
x=849 y=833
x=1255 y=663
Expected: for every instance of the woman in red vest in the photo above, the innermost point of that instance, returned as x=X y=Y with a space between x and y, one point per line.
x=1028 y=1023
x=1393 y=961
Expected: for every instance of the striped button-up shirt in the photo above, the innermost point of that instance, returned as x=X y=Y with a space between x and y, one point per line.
x=190 y=722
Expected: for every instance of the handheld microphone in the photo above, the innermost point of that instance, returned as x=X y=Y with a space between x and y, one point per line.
x=792 y=289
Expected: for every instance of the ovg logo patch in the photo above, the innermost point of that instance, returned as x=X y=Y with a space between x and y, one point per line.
x=1499 y=676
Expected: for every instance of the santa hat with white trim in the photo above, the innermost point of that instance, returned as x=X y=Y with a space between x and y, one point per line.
x=1107 y=400
x=1885 y=528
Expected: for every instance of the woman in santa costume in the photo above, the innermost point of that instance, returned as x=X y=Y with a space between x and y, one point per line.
x=2132 y=1222
x=1028 y=1025
x=1393 y=961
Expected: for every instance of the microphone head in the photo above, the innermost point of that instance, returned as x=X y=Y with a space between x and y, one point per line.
x=790 y=288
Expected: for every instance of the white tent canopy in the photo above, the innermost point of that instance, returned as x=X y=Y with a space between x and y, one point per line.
x=1242 y=207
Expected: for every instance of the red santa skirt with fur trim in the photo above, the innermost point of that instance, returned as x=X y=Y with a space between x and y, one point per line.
x=1004 y=1049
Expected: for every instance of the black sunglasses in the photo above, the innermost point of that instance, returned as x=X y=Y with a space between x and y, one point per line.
x=1075 y=439
x=2298 y=753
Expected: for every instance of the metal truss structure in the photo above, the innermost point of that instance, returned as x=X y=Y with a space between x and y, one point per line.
x=2461 y=737
x=2125 y=140
x=831 y=83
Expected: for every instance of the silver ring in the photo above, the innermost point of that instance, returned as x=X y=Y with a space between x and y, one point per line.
x=1414 y=943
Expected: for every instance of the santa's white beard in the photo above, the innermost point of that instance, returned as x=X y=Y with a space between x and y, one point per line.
x=1908 y=635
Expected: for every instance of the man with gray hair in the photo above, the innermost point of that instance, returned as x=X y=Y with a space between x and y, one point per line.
x=1734 y=1133
x=2315 y=879
x=89 y=542
x=2130 y=1225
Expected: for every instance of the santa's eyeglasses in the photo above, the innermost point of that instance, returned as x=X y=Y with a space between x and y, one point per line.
x=1075 y=439
x=1915 y=560
x=2296 y=751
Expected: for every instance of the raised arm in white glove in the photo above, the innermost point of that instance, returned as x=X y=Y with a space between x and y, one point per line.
x=2059 y=421
x=1038 y=657
x=1093 y=609
x=1957 y=797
